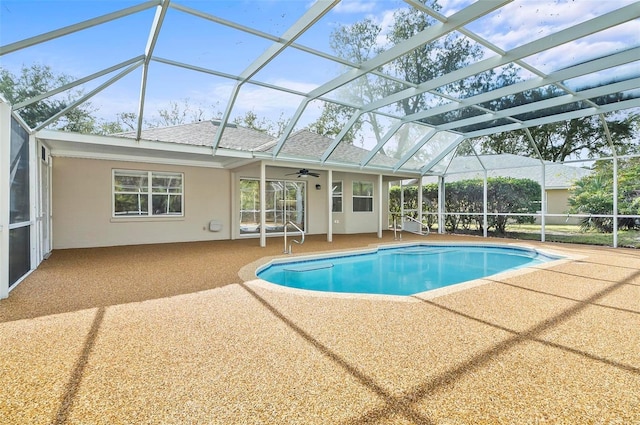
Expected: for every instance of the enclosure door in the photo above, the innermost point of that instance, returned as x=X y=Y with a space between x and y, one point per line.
x=20 y=223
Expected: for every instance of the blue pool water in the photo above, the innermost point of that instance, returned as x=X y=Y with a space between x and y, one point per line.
x=403 y=270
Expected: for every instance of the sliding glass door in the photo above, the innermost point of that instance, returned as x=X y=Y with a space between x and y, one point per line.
x=284 y=203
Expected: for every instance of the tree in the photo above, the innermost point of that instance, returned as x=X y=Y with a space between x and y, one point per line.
x=251 y=120
x=361 y=41
x=182 y=112
x=564 y=140
x=40 y=79
x=355 y=43
x=593 y=194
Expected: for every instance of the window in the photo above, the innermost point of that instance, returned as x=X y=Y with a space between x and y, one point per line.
x=336 y=193
x=362 y=197
x=147 y=193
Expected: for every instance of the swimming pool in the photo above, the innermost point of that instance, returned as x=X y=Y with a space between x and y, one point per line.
x=400 y=270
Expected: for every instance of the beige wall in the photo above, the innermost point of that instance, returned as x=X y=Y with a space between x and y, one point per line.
x=82 y=197
x=558 y=203
x=82 y=203
x=357 y=222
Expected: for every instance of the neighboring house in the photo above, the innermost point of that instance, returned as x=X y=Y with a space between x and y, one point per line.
x=558 y=177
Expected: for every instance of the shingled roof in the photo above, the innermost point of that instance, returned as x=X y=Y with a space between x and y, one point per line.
x=302 y=143
x=203 y=134
x=306 y=144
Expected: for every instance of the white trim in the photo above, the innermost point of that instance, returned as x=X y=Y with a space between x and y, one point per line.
x=141 y=159
x=372 y=197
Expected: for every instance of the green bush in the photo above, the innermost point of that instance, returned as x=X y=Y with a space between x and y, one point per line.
x=593 y=194
x=504 y=194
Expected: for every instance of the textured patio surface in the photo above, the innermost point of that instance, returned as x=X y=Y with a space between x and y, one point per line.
x=169 y=334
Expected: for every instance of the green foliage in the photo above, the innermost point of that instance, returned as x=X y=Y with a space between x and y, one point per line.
x=361 y=41
x=251 y=120
x=40 y=79
x=504 y=195
x=562 y=140
x=593 y=194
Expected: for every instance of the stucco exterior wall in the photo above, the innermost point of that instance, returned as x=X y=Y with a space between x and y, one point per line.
x=82 y=206
x=558 y=203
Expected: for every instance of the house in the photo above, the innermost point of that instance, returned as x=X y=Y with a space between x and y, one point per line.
x=169 y=187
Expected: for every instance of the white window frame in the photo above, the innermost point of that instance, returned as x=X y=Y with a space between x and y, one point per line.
x=337 y=195
x=149 y=194
x=354 y=196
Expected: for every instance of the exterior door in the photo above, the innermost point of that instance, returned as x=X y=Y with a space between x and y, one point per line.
x=44 y=213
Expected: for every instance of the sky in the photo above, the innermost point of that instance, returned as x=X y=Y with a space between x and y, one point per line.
x=185 y=38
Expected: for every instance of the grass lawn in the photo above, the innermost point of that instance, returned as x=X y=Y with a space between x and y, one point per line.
x=563 y=233
x=573 y=234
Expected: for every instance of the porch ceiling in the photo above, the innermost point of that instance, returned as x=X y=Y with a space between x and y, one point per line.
x=249 y=55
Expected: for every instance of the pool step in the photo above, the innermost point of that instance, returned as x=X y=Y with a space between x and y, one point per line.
x=420 y=251
x=308 y=267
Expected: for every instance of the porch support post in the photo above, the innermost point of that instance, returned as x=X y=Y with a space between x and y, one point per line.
x=330 y=205
x=543 y=204
x=5 y=158
x=379 y=206
x=263 y=204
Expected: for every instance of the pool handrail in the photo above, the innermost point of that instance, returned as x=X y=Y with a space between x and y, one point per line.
x=299 y=242
x=409 y=218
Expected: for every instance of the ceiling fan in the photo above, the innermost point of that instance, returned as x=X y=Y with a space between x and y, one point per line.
x=303 y=172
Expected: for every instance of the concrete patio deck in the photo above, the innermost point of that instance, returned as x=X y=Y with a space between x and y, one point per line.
x=170 y=334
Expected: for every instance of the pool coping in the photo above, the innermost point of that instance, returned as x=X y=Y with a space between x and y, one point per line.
x=248 y=272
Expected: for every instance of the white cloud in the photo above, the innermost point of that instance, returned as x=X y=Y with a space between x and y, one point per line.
x=355 y=6
x=449 y=7
x=522 y=22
